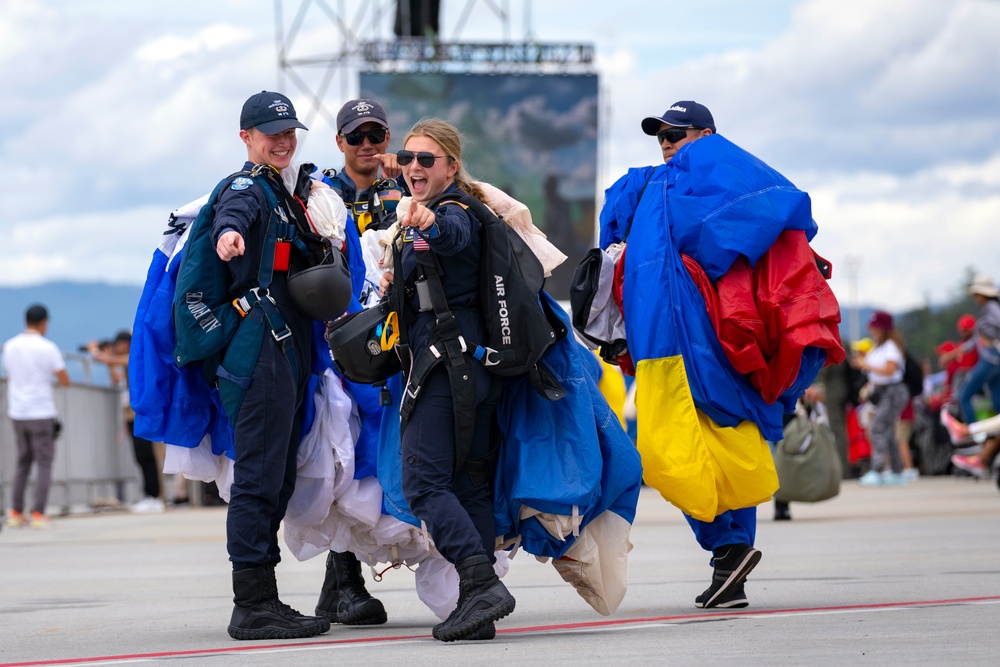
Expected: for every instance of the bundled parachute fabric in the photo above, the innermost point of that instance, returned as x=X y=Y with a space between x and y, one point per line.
x=563 y=465
x=324 y=207
x=700 y=203
x=719 y=194
x=171 y=404
x=699 y=466
x=597 y=562
x=671 y=320
x=702 y=423
x=331 y=508
x=596 y=315
x=778 y=322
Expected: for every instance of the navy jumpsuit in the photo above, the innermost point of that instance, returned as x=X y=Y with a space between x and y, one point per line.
x=457 y=506
x=267 y=428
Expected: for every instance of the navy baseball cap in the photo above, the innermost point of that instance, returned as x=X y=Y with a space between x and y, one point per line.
x=680 y=114
x=358 y=112
x=270 y=113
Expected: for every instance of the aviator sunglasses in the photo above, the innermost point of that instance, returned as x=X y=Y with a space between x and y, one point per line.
x=424 y=158
x=357 y=137
x=672 y=134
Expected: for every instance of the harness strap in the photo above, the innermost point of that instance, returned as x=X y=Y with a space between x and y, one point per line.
x=278 y=225
x=447 y=346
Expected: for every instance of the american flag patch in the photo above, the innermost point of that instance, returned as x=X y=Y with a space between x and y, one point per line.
x=420 y=243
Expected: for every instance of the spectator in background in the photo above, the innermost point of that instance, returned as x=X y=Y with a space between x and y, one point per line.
x=904 y=432
x=117 y=360
x=986 y=431
x=986 y=341
x=835 y=385
x=956 y=364
x=30 y=361
x=884 y=364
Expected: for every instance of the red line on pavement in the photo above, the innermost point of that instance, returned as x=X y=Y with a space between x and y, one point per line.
x=721 y=613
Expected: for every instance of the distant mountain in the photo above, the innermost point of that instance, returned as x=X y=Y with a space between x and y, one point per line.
x=78 y=313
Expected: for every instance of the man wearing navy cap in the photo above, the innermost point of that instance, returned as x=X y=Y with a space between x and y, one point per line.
x=368 y=187
x=730 y=537
x=266 y=426
x=681 y=124
x=363 y=137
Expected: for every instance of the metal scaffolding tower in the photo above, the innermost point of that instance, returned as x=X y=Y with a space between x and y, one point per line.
x=362 y=39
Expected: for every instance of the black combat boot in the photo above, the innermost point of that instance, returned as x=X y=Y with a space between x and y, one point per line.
x=487 y=632
x=259 y=614
x=482 y=599
x=344 y=598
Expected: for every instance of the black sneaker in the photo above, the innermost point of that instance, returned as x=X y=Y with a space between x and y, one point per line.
x=732 y=565
x=734 y=599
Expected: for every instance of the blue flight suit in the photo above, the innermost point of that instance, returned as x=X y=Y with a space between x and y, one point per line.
x=267 y=428
x=457 y=506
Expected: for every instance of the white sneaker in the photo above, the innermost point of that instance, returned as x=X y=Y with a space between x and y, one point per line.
x=147 y=505
x=911 y=474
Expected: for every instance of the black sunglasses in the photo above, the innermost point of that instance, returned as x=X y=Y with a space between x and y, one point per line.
x=424 y=158
x=672 y=134
x=357 y=137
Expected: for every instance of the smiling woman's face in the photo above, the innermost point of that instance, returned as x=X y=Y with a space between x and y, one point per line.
x=425 y=183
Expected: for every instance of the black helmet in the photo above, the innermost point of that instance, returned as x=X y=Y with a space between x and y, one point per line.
x=356 y=345
x=323 y=291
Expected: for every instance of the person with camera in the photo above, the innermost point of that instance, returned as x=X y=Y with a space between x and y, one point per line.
x=114 y=353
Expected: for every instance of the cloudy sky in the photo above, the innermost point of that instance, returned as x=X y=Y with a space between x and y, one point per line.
x=886 y=111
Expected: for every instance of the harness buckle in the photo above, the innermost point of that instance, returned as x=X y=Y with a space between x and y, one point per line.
x=281 y=335
x=487 y=360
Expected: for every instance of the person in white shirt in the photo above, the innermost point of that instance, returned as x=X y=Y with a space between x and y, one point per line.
x=884 y=364
x=30 y=361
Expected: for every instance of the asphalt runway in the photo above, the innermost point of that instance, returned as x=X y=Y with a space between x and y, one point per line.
x=900 y=575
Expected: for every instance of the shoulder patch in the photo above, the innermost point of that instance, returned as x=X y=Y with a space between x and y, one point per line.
x=241 y=183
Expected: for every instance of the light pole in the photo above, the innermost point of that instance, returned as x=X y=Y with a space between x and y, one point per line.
x=853 y=266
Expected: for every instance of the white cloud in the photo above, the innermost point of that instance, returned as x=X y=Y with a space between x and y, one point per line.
x=914 y=235
x=213 y=38
x=113 y=247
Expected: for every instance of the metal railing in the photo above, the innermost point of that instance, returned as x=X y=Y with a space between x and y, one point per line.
x=93 y=456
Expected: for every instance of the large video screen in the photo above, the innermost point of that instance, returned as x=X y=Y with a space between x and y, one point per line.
x=533 y=136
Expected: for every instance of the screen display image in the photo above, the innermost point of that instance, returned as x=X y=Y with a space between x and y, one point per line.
x=533 y=136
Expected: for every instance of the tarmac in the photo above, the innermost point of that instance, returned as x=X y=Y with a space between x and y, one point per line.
x=888 y=576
